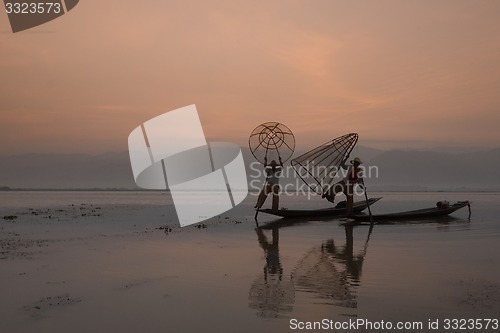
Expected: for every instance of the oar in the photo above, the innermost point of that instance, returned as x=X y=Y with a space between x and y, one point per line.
x=369 y=209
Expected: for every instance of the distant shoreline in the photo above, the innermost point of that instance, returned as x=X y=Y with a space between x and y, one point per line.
x=465 y=190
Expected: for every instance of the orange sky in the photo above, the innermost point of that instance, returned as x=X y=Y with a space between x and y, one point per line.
x=400 y=73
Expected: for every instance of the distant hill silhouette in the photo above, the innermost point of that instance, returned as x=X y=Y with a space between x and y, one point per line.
x=66 y=171
x=398 y=170
x=438 y=170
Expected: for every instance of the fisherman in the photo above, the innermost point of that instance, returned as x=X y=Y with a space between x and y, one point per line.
x=273 y=174
x=346 y=185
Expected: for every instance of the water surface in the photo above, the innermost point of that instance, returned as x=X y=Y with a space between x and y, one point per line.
x=121 y=272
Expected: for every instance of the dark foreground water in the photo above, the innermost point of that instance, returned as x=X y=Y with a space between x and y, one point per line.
x=117 y=261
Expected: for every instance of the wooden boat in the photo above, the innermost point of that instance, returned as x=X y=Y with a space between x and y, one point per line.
x=333 y=211
x=414 y=214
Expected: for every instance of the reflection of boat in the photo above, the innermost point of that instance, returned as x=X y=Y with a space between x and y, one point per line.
x=414 y=214
x=333 y=211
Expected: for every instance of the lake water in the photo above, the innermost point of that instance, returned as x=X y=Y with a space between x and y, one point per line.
x=128 y=275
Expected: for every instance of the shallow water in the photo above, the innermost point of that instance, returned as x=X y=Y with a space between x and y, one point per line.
x=119 y=273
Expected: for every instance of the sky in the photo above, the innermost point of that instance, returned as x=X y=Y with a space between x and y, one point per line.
x=410 y=74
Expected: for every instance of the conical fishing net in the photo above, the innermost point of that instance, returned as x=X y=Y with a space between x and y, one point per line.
x=318 y=168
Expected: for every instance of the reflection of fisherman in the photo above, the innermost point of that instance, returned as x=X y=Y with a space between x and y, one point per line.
x=272 y=295
x=272 y=250
x=354 y=263
x=273 y=174
x=346 y=185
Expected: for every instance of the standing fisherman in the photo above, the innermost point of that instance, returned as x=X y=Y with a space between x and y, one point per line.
x=346 y=185
x=273 y=174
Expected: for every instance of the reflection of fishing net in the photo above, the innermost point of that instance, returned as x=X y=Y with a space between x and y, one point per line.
x=273 y=141
x=318 y=167
x=326 y=275
x=271 y=296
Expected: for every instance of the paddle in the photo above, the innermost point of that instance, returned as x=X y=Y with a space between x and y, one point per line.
x=368 y=204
